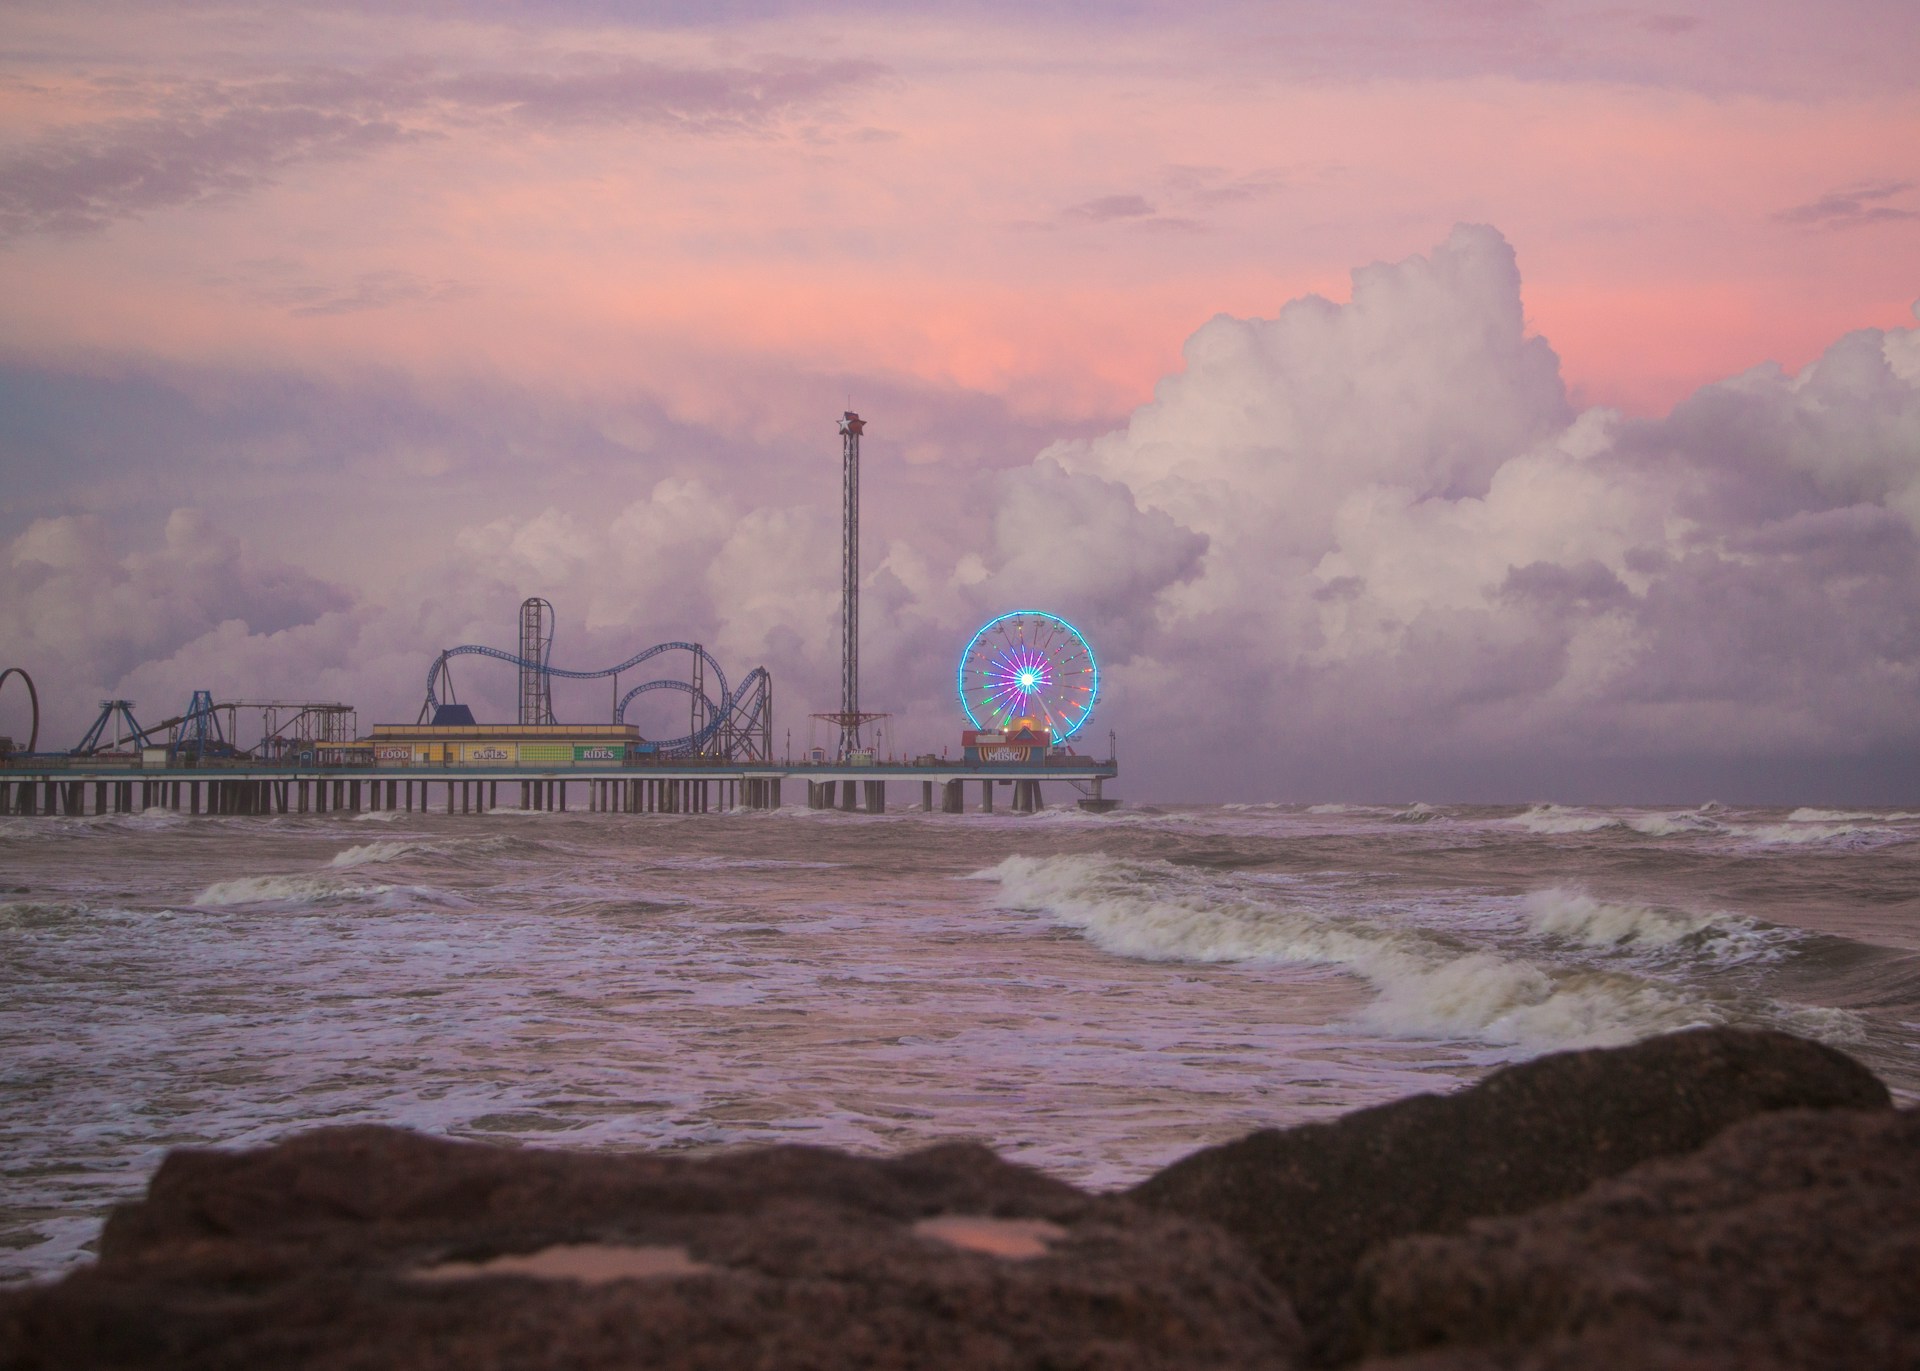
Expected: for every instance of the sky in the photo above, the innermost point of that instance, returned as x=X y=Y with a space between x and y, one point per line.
x=1506 y=400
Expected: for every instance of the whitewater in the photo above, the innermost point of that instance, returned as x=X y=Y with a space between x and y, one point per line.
x=1094 y=995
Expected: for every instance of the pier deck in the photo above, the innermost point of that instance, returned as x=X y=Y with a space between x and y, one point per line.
x=80 y=786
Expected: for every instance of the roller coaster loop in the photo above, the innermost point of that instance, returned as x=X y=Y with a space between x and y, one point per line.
x=732 y=717
x=33 y=695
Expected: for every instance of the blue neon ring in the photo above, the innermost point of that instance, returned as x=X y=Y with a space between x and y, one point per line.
x=1093 y=667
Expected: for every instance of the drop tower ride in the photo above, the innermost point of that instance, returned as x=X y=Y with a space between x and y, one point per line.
x=849 y=718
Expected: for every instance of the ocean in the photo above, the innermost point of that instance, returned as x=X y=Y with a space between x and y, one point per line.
x=1094 y=995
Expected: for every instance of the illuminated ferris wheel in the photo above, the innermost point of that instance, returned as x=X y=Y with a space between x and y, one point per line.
x=1029 y=665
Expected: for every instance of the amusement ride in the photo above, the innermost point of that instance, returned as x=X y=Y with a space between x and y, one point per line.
x=1029 y=669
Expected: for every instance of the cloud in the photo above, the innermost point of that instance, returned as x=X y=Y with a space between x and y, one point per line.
x=1852 y=207
x=80 y=180
x=1359 y=548
x=1089 y=544
x=214 y=138
x=1212 y=186
x=1109 y=207
x=81 y=615
x=368 y=290
x=1672 y=24
x=1136 y=212
x=1421 y=562
x=1426 y=378
x=687 y=99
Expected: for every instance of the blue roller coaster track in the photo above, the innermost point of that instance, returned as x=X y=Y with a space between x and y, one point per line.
x=737 y=722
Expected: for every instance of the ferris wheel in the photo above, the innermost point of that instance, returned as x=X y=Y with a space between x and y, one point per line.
x=1029 y=665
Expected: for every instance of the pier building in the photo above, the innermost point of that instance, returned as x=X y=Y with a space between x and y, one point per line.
x=548 y=746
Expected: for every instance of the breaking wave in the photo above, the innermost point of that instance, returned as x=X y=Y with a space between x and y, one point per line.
x=1553 y=819
x=1806 y=833
x=1425 y=984
x=1577 y=917
x=1671 y=825
x=367 y=853
x=316 y=890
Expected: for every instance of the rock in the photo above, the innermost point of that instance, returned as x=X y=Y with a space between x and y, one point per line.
x=1310 y=1201
x=378 y=1248
x=1788 y=1241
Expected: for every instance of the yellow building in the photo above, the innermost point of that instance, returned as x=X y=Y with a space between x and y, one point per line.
x=496 y=745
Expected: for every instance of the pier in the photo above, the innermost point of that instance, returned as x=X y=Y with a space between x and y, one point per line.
x=88 y=787
x=1026 y=682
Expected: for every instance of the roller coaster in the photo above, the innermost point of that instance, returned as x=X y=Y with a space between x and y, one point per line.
x=735 y=727
x=33 y=698
x=287 y=729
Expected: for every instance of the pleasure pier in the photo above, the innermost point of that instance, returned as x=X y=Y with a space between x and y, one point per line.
x=88 y=786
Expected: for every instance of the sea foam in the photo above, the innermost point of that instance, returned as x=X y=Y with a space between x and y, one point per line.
x=1555 y=820
x=367 y=853
x=1577 y=916
x=1624 y=926
x=1814 y=834
x=318 y=889
x=1425 y=984
x=1672 y=825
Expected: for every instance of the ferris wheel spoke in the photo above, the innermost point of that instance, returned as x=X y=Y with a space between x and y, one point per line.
x=1029 y=665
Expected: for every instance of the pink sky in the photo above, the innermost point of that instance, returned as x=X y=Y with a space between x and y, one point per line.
x=527 y=262
x=1038 y=210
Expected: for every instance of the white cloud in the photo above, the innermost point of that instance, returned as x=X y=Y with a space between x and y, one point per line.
x=1421 y=561
x=1356 y=548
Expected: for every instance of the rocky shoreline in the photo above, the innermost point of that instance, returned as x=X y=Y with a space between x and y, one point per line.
x=1710 y=1199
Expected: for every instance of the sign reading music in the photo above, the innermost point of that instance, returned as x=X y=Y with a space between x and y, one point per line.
x=1006 y=752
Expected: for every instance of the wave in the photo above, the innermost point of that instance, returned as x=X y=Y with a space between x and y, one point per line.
x=1425 y=984
x=1673 y=825
x=1576 y=917
x=1526 y=1005
x=1553 y=819
x=1811 y=834
x=709 y=862
x=366 y=853
x=317 y=890
x=39 y=914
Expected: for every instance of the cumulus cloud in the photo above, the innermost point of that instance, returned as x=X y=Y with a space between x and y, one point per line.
x=1425 y=376
x=1358 y=548
x=1419 y=557
x=81 y=615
